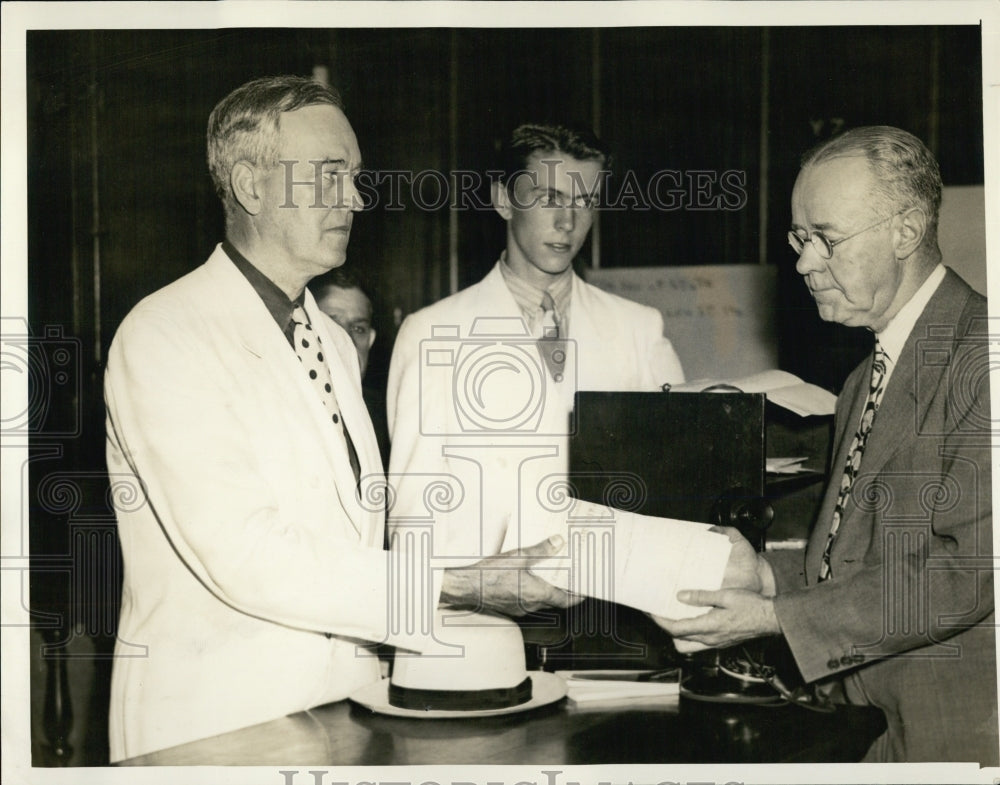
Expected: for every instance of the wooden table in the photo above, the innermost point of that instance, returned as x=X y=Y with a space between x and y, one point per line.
x=650 y=731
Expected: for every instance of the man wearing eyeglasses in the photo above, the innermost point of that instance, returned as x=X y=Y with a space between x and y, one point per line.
x=893 y=604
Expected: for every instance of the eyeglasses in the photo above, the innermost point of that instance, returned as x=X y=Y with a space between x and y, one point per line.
x=824 y=245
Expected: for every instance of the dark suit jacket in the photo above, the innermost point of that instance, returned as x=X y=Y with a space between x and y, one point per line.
x=907 y=618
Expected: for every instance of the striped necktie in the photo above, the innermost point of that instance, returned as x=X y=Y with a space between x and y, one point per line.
x=551 y=344
x=853 y=463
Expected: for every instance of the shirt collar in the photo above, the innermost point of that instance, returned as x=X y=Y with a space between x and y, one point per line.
x=277 y=302
x=894 y=336
x=529 y=297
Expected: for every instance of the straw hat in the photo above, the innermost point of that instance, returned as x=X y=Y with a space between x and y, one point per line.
x=479 y=672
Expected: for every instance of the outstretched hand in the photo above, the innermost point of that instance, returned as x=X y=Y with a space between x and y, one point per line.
x=505 y=584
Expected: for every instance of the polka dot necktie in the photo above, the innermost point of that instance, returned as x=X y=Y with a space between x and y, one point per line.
x=551 y=344
x=853 y=463
x=309 y=350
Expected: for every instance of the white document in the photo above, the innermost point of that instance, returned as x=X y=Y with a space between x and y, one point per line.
x=782 y=388
x=784 y=465
x=615 y=685
x=637 y=560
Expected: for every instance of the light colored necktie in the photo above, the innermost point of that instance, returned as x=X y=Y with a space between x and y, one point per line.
x=309 y=350
x=853 y=463
x=551 y=344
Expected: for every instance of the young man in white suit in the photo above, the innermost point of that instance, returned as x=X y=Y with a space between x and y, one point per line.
x=252 y=542
x=475 y=401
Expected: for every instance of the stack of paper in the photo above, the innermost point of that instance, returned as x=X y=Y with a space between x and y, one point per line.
x=784 y=465
x=589 y=686
x=636 y=560
x=782 y=388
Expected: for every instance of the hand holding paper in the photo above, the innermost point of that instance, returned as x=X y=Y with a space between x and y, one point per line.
x=642 y=562
x=505 y=583
x=741 y=610
x=746 y=568
x=737 y=615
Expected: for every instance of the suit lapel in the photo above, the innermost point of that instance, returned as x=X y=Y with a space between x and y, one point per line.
x=583 y=308
x=241 y=310
x=903 y=412
x=495 y=299
x=356 y=419
x=586 y=317
x=850 y=406
x=900 y=417
x=254 y=329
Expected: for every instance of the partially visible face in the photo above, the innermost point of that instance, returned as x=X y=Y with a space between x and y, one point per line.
x=857 y=286
x=351 y=309
x=548 y=214
x=307 y=208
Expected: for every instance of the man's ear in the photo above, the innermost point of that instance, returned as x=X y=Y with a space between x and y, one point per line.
x=371 y=338
x=910 y=232
x=243 y=181
x=501 y=200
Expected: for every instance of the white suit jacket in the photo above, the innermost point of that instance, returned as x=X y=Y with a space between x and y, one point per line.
x=252 y=566
x=479 y=428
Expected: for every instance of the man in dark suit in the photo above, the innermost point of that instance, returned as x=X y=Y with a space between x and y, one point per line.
x=893 y=604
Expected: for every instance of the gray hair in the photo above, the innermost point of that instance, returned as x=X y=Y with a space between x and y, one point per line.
x=244 y=125
x=905 y=172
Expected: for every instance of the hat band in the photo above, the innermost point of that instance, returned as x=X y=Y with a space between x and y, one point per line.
x=459 y=700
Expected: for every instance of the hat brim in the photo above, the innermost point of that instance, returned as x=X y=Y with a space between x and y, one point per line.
x=546 y=688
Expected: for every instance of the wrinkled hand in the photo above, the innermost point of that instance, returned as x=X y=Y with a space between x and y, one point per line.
x=737 y=615
x=746 y=568
x=504 y=583
x=741 y=609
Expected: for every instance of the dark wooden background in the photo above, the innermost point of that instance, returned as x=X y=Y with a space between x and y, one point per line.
x=120 y=203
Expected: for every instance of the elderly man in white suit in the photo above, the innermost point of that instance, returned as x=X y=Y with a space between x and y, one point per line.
x=475 y=400
x=254 y=566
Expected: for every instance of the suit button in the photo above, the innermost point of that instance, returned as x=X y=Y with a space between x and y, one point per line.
x=859 y=658
x=833 y=664
x=847 y=660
